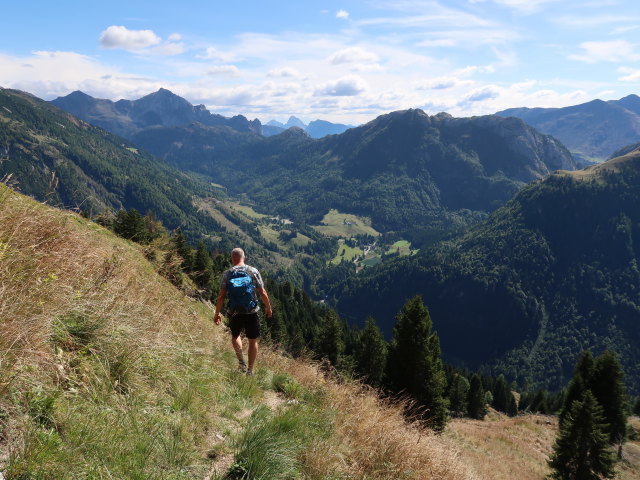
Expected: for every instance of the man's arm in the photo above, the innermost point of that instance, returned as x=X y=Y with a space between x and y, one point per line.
x=219 y=305
x=265 y=299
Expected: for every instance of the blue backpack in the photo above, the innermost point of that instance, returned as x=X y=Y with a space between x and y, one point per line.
x=240 y=290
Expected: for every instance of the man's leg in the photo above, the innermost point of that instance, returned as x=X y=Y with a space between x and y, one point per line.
x=236 y=342
x=253 y=352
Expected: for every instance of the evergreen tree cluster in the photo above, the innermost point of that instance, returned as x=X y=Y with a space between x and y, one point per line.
x=592 y=420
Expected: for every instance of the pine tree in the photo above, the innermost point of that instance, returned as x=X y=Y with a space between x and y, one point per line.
x=604 y=378
x=501 y=394
x=330 y=342
x=579 y=383
x=414 y=362
x=477 y=405
x=512 y=409
x=184 y=251
x=371 y=354
x=459 y=395
x=608 y=387
x=581 y=451
x=203 y=270
x=636 y=408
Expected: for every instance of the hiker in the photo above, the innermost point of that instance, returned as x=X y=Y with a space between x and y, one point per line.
x=240 y=283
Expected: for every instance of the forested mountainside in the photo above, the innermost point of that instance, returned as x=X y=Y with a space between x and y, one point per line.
x=57 y=158
x=164 y=108
x=405 y=170
x=592 y=130
x=553 y=272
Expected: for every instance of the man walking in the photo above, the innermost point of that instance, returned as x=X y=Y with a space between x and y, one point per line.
x=240 y=283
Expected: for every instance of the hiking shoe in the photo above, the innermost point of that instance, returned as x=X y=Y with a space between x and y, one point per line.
x=242 y=368
x=250 y=373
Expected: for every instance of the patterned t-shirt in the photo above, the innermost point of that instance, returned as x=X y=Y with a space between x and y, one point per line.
x=256 y=278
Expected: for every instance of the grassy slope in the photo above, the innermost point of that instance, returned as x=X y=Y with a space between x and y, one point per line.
x=107 y=371
x=501 y=446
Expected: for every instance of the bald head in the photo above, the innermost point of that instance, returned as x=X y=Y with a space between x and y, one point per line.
x=237 y=256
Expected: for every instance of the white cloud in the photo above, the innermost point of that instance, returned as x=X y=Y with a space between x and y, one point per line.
x=611 y=51
x=487 y=92
x=353 y=55
x=444 y=83
x=632 y=74
x=285 y=72
x=523 y=6
x=175 y=37
x=350 y=85
x=342 y=14
x=121 y=37
x=168 y=49
x=223 y=70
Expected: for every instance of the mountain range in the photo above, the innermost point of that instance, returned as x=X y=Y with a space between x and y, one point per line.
x=315 y=129
x=405 y=169
x=550 y=274
x=162 y=108
x=592 y=131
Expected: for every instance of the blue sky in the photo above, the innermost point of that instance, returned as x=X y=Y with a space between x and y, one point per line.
x=343 y=61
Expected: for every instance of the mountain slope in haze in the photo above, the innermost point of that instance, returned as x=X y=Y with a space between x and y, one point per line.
x=162 y=108
x=592 y=130
x=404 y=169
x=551 y=273
x=53 y=156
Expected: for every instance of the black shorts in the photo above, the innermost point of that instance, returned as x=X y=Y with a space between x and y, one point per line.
x=249 y=322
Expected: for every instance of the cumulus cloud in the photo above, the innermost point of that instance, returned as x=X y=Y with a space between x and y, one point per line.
x=353 y=55
x=444 y=83
x=487 y=92
x=632 y=74
x=611 y=51
x=348 y=86
x=342 y=14
x=117 y=36
x=223 y=70
x=175 y=37
x=286 y=72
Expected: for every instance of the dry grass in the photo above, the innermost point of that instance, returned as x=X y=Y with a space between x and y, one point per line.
x=500 y=446
x=372 y=439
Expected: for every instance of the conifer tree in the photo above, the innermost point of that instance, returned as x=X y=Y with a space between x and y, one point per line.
x=636 y=408
x=477 y=405
x=501 y=394
x=608 y=387
x=414 y=362
x=512 y=409
x=578 y=384
x=203 y=270
x=371 y=354
x=330 y=342
x=184 y=251
x=459 y=395
x=581 y=451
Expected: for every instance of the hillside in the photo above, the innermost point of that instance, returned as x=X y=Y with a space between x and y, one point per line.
x=551 y=273
x=108 y=371
x=405 y=170
x=161 y=108
x=57 y=158
x=592 y=130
